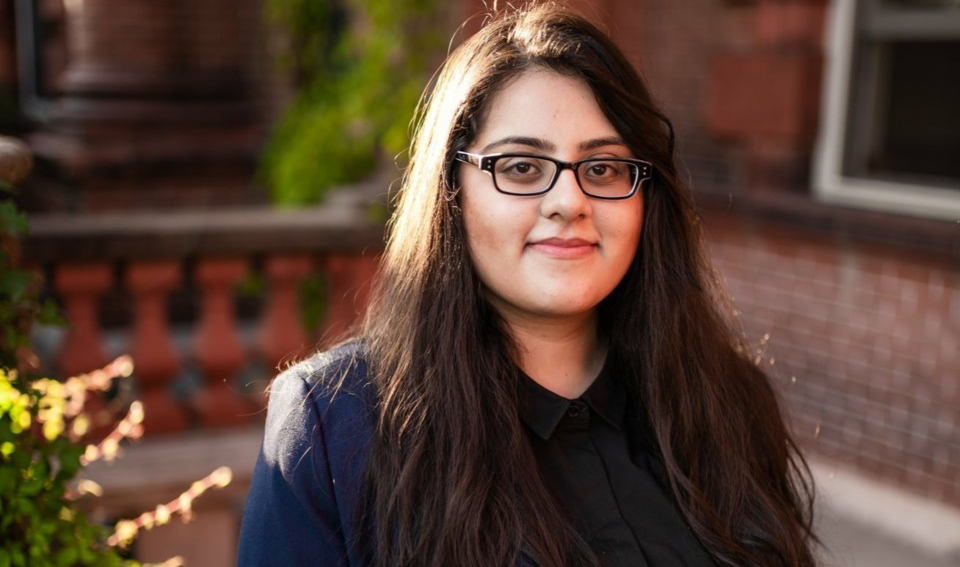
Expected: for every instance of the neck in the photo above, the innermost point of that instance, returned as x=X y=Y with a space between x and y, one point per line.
x=563 y=355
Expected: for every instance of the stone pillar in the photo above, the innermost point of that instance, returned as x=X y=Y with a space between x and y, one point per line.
x=80 y=286
x=156 y=361
x=350 y=278
x=281 y=335
x=218 y=349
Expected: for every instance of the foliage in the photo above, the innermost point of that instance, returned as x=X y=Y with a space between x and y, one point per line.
x=313 y=303
x=360 y=67
x=39 y=526
x=42 y=421
x=18 y=303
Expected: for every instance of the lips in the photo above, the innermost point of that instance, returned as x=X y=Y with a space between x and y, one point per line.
x=564 y=247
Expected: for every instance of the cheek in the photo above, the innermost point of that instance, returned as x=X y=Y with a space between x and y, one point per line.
x=623 y=229
x=496 y=232
x=495 y=224
x=485 y=238
x=484 y=233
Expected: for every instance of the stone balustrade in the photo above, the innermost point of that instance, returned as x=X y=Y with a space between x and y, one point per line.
x=208 y=303
x=137 y=263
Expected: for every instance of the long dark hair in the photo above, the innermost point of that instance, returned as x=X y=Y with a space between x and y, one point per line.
x=451 y=478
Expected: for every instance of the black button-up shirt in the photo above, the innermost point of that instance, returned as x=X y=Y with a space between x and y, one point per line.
x=607 y=486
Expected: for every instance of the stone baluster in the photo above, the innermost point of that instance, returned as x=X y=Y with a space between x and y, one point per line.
x=218 y=349
x=281 y=335
x=156 y=360
x=80 y=286
x=350 y=278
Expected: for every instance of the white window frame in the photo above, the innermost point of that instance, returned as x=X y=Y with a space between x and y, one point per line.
x=830 y=183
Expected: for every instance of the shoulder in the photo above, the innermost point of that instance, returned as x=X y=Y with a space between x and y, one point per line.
x=304 y=489
x=323 y=379
x=321 y=418
x=344 y=365
x=324 y=401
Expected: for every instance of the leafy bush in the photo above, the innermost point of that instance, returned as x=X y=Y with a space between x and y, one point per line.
x=39 y=525
x=360 y=67
x=42 y=422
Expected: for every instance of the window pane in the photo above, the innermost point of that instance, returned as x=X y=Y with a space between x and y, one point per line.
x=904 y=113
x=922 y=114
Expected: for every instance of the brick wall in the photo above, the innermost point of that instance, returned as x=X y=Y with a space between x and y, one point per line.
x=862 y=342
x=673 y=43
x=867 y=321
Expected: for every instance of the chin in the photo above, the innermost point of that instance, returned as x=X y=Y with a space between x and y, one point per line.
x=565 y=302
x=564 y=308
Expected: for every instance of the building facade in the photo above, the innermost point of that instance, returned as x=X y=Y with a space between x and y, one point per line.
x=819 y=138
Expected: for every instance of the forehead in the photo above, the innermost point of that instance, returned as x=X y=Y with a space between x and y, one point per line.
x=544 y=104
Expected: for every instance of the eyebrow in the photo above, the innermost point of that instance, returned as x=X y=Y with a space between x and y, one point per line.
x=544 y=145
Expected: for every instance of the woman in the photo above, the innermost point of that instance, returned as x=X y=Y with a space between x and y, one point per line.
x=544 y=376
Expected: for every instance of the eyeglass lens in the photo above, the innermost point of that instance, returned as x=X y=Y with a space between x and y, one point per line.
x=601 y=178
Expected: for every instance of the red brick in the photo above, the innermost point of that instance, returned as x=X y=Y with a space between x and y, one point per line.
x=763 y=95
x=783 y=24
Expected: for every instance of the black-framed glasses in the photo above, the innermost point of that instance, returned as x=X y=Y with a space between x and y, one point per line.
x=530 y=175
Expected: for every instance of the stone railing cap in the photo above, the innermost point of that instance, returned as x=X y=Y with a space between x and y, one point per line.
x=16 y=160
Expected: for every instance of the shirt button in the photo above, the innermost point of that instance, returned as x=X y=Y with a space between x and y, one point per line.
x=575 y=409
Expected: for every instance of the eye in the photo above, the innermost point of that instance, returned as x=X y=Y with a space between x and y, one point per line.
x=603 y=171
x=599 y=169
x=516 y=166
x=521 y=169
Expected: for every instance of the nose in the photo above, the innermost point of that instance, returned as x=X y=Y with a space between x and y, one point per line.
x=566 y=200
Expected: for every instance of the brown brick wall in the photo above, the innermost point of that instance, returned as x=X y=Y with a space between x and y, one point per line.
x=871 y=333
x=871 y=337
x=672 y=43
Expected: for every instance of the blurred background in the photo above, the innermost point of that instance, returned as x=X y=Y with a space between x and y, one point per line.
x=210 y=182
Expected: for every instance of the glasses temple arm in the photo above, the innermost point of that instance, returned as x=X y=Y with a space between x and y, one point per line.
x=467 y=157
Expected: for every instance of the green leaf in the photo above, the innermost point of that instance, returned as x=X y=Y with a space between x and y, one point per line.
x=69 y=463
x=12 y=221
x=13 y=283
x=49 y=314
x=66 y=557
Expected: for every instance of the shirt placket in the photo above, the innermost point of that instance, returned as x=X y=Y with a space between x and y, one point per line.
x=597 y=507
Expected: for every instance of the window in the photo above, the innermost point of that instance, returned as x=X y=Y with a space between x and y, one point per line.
x=890 y=126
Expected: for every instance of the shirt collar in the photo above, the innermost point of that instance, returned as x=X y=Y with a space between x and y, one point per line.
x=542 y=409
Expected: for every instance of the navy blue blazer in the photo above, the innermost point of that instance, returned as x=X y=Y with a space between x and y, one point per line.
x=304 y=495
